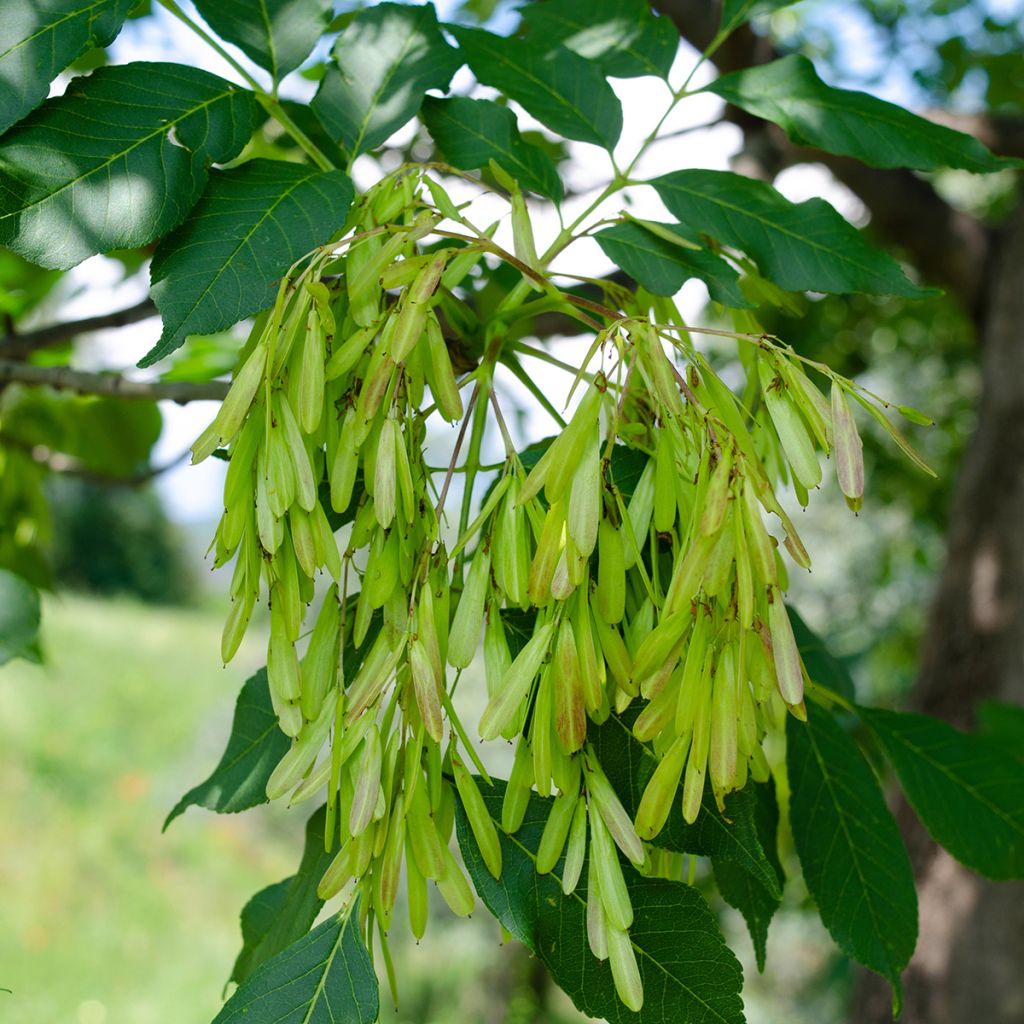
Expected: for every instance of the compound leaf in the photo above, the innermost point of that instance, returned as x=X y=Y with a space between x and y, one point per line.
x=789 y=93
x=854 y=861
x=38 y=40
x=800 y=246
x=276 y=34
x=470 y=133
x=384 y=62
x=563 y=90
x=324 y=978
x=663 y=267
x=742 y=890
x=622 y=36
x=282 y=913
x=69 y=190
x=254 y=747
x=967 y=790
x=226 y=260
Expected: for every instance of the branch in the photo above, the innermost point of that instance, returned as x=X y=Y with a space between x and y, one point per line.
x=948 y=247
x=20 y=345
x=65 y=379
x=66 y=465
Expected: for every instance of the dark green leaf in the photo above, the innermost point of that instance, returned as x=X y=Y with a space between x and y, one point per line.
x=564 y=91
x=69 y=190
x=662 y=268
x=689 y=973
x=1003 y=724
x=226 y=260
x=277 y=34
x=469 y=133
x=731 y=836
x=255 y=746
x=789 y=93
x=736 y=12
x=282 y=913
x=622 y=36
x=324 y=978
x=306 y=118
x=39 y=40
x=800 y=246
x=19 y=619
x=742 y=890
x=966 y=790
x=854 y=861
x=384 y=62
x=823 y=667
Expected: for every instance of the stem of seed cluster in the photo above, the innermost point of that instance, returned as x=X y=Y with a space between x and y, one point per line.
x=455 y=454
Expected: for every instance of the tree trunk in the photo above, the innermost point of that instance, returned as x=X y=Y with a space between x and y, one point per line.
x=969 y=963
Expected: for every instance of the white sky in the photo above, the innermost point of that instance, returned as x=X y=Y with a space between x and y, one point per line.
x=97 y=285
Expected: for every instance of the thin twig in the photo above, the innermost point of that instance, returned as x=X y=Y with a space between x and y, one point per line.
x=457 y=450
x=66 y=465
x=63 y=378
x=20 y=345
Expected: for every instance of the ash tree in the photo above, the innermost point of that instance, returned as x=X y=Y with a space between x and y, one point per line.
x=617 y=590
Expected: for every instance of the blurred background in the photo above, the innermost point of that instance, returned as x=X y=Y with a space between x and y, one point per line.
x=108 y=921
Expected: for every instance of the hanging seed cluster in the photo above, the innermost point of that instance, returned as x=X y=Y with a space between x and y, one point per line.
x=665 y=595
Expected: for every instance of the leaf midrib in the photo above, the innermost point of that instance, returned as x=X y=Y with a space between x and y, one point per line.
x=53 y=26
x=364 y=124
x=956 y=779
x=267 y=214
x=912 y=124
x=827 y=779
x=765 y=223
x=561 y=101
x=122 y=154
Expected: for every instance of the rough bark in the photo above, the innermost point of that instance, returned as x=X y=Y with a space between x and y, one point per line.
x=967 y=967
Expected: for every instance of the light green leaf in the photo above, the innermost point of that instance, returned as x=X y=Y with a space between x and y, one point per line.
x=736 y=12
x=854 y=861
x=226 y=260
x=69 y=190
x=276 y=34
x=967 y=791
x=622 y=36
x=469 y=133
x=744 y=891
x=689 y=973
x=732 y=836
x=564 y=91
x=282 y=913
x=789 y=93
x=39 y=40
x=324 y=978
x=800 y=246
x=111 y=436
x=663 y=268
x=254 y=747
x=384 y=62
x=19 y=619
